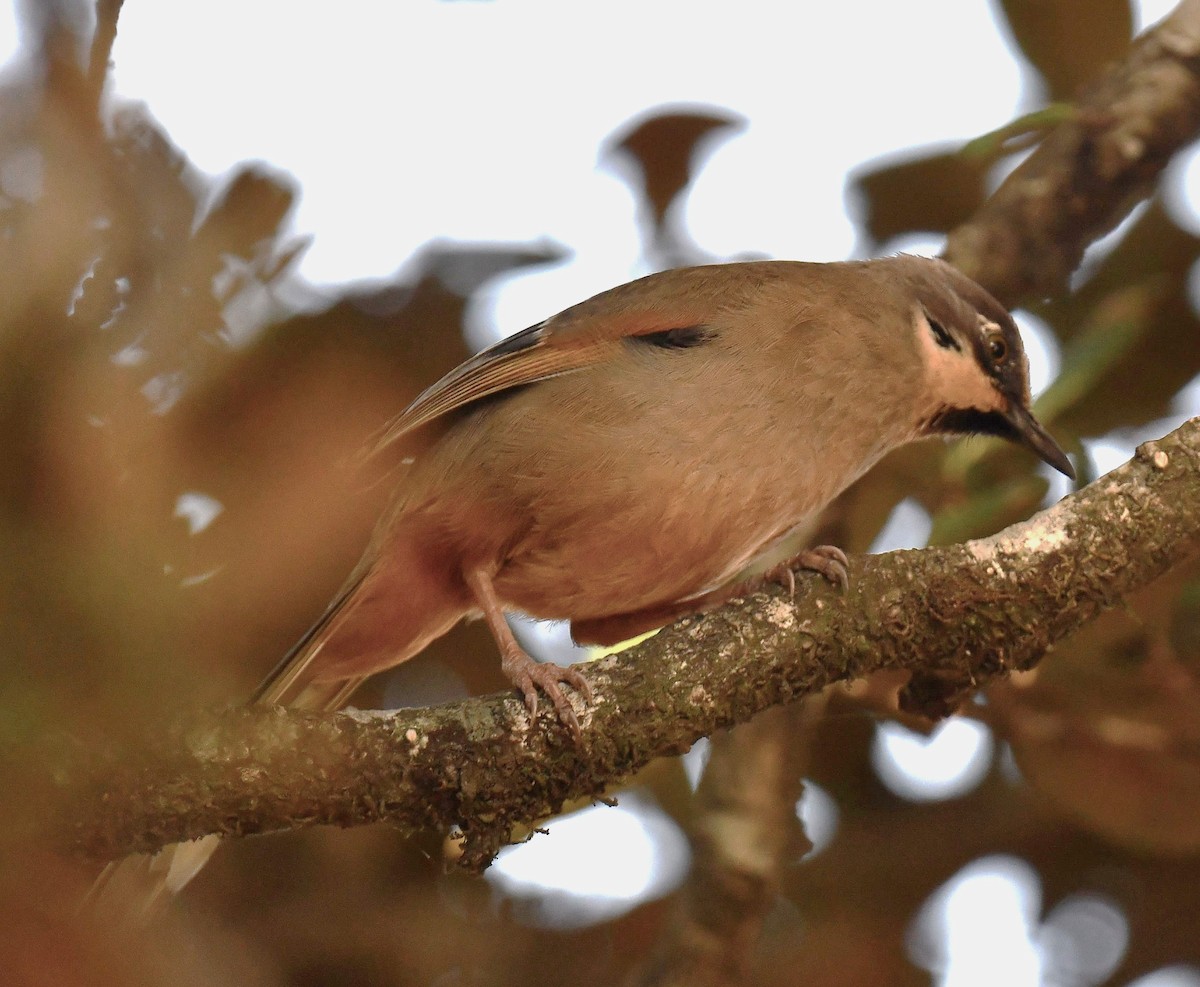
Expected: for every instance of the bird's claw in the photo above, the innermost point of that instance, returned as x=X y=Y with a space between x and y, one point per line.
x=827 y=560
x=531 y=677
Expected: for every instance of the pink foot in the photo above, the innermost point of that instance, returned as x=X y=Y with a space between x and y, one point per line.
x=828 y=560
x=531 y=676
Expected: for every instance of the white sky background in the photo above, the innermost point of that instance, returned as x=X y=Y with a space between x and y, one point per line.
x=512 y=100
x=409 y=122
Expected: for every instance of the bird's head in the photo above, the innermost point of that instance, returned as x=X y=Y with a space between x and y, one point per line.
x=976 y=371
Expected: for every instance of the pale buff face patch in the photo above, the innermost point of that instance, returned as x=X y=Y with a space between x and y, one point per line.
x=953 y=376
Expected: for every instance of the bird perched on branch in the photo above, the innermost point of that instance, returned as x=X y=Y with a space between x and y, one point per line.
x=622 y=462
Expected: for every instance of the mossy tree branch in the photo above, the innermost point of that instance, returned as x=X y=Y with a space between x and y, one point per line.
x=957 y=617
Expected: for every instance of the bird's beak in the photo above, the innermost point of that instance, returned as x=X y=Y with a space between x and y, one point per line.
x=1031 y=433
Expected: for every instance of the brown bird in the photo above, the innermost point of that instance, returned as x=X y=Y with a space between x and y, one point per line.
x=622 y=462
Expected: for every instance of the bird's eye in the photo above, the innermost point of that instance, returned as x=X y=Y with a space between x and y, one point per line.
x=997 y=348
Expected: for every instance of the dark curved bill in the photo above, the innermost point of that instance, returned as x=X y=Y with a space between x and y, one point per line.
x=1031 y=433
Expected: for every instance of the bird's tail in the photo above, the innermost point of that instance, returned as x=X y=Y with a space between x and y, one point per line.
x=291 y=683
x=138 y=885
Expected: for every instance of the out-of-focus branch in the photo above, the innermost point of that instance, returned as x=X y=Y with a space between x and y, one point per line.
x=103 y=38
x=957 y=617
x=1091 y=170
x=744 y=833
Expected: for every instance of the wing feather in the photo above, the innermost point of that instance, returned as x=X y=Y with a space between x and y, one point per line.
x=573 y=340
x=521 y=359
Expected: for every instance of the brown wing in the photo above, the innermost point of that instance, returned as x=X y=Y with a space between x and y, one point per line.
x=520 y=359
x=584 y=335
x=546 y=350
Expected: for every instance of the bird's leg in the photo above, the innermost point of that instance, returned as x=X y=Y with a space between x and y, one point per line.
x=525 y=673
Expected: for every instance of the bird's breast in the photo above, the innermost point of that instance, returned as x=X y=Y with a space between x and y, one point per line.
x=632 y=486
x=647 y=516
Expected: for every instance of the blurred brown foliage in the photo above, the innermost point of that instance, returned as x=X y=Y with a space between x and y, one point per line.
x=125 y=385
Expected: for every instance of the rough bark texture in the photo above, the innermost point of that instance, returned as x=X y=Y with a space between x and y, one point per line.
x=957 y=616
x=1089 y=171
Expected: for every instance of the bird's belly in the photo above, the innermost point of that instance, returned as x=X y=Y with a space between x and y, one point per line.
x=636 y=554
x=641 y=504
